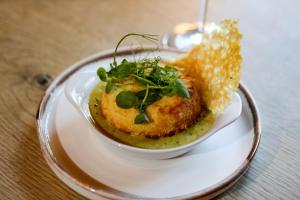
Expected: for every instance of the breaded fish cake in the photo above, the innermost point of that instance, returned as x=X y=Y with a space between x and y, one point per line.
x=167 y=115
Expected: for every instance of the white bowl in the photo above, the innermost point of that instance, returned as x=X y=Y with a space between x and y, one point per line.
x=78 y=90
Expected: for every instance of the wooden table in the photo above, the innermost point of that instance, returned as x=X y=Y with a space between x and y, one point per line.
x=39 y=39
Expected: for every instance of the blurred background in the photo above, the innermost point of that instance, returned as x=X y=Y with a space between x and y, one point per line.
x=39 y=39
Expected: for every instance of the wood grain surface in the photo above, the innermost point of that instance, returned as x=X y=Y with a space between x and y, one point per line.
x=39 y=39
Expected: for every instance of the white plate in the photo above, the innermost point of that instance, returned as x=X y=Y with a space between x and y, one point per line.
x=90 y=167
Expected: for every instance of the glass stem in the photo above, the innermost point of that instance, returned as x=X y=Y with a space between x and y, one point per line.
x=202 y=15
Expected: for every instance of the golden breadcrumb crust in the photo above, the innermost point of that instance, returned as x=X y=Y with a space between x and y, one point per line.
x=167 y=115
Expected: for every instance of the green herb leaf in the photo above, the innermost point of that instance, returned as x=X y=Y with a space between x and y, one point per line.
x=170 y=69
x=164 y=75
x=144 y=81
x=169 y=92
x=126 y=99
x=109 y=86
x=141 y=118
x=153 y=96
x=124 y=69
x=181 y=89
x=102 y=74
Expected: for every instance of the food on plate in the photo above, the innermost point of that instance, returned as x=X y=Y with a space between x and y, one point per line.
x=168 y=114
x=176 y=101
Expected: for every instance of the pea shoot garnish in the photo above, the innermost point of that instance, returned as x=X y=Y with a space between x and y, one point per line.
x=158 y=81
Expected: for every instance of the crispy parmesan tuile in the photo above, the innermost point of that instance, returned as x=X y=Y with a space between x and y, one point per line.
x=215 y=64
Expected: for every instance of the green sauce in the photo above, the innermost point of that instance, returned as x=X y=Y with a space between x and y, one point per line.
x=199 y=129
